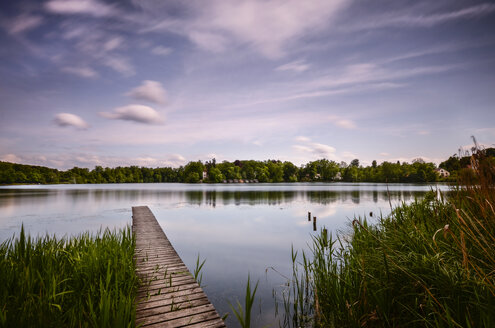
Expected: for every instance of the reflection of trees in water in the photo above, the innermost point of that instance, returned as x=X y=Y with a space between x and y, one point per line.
x=322 y=197
x=256 y=197
x=248 y=197
x=211 y=197
x=17 y=197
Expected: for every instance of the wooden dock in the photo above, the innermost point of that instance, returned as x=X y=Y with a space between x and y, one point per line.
x=169 y=296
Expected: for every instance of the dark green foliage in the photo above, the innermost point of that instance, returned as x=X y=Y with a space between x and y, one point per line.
x=263 y=171
x=428 y=264
x=84 y=281
x=193 y=172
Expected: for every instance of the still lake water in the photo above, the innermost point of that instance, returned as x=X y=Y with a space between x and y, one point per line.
x=239 y=229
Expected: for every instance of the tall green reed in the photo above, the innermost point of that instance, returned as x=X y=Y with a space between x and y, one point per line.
x=197 y=274
x=243 y=314
x=83 y=281
x=428 y=264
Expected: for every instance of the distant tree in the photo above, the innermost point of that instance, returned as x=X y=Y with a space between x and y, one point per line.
x=193 y=167
x=465 y=161
x=263 y=171
x=290 y=172
x=275 y=171
x=215 y=175
x=192 y=177
x=452 y=164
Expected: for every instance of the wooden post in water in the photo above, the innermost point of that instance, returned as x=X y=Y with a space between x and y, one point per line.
x=309 y=216
x=314 y=223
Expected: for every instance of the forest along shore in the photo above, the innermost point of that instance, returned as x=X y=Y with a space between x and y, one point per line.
x=272 y=171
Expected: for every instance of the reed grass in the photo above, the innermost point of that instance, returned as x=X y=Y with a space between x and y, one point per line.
x=83 y=281
x=197 y=274
x=428 y=264
x=243 y=313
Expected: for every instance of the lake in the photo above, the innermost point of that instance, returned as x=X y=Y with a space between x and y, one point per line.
x=239 y=229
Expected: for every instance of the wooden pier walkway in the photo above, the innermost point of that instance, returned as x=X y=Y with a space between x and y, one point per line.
x=169 y=295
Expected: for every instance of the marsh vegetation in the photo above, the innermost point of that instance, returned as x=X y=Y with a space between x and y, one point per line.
x=427 y=264
x=82 y=281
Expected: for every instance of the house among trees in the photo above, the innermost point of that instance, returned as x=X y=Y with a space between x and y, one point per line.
x=443 y=173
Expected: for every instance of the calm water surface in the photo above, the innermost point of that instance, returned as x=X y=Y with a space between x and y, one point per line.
x=238 y=229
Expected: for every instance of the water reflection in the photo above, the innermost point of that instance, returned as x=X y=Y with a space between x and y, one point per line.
x=9 y=198
x=239 y=229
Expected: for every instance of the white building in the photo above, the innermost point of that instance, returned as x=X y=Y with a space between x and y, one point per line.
x=443 y=173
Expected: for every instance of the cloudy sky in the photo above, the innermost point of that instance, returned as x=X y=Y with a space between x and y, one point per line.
x=154 y=83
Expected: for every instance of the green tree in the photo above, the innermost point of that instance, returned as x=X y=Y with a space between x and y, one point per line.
x=355 y=162
x=275 y=171
x=290 y=172
x=192 y=177
x=193 y=167
x=215 y=175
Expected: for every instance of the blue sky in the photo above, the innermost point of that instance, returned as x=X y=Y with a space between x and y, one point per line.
x=159 y=83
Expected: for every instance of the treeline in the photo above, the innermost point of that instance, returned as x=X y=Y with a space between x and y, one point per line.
x=458 y=164
x=260 y=171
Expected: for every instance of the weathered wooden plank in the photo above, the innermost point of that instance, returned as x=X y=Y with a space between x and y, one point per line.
x=201 y=319
x=151 y=305
x=166 y=289
x=172 y=307
x=144 y=301
x=180 y=318
x=169 y=295
x=208 y=324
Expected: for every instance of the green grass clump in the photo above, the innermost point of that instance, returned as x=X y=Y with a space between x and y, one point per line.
x=83 y=281
x=428 y=264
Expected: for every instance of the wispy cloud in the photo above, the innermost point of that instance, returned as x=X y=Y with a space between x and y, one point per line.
x=488 y=131
x=161 y=51
x=120 y=64
x=90 y=160
x=113 y=43
x=136 y=113
x=342 y=122
x=97 y=43
x=151 y=91
x=348 y=155
x=79 y=7
x=314 y=149
x=175 y=160
x=225 y=24
x=359 y=73
x=67 y=119
x=297 y=66
x=86 y=72
x=353 y=78
x=425 y=20
x=208 y=41
x=302 y=139
x=12 y=158
x=23 y=23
